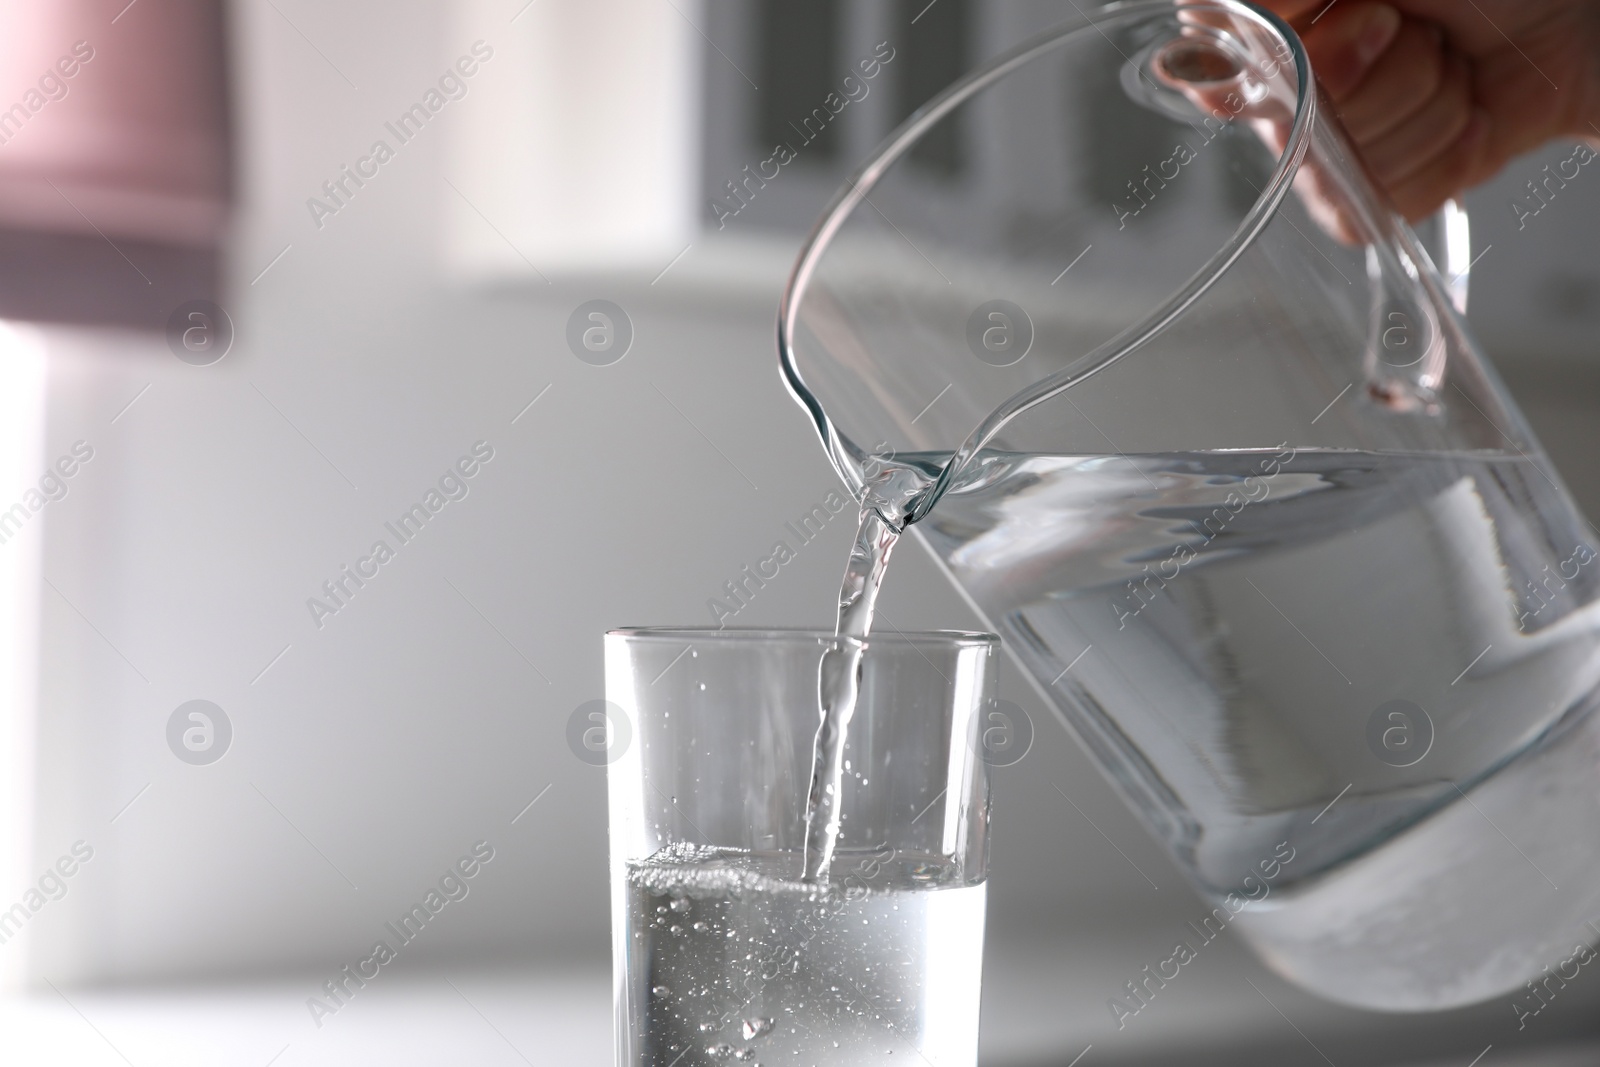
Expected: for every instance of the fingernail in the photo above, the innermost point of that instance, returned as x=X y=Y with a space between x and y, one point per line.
x=1379 y=32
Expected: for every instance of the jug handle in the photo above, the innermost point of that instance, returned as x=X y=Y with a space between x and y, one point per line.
x=1447 y=238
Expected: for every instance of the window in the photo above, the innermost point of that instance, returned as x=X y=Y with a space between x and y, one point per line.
x=938 y=51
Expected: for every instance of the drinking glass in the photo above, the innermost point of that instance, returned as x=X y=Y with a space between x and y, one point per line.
x=721 y=953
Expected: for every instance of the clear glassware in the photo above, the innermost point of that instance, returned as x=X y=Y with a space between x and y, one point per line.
x=1197 y=425
x=720 y=951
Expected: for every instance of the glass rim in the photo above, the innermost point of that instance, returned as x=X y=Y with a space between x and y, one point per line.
x=861 y=182
x=780 y=635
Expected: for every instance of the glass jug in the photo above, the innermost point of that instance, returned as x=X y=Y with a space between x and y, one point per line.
x=1121 y=326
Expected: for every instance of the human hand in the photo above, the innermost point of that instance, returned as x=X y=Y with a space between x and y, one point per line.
x=1439 y=94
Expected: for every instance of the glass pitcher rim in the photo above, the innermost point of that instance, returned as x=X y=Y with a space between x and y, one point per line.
x=860 y=182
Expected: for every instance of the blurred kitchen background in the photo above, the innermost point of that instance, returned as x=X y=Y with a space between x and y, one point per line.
x=371 y=331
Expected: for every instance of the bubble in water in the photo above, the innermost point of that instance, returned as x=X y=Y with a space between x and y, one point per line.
x=674 y=929
x=719 y=1051
x=754 y=1028
x=742 y=1054
x=661 y=991
x=701 y=927
x=680 y=904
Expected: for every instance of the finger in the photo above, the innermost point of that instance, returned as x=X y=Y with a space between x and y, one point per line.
x=1398 y=85
x=1347 y=40
x=1415 y=143
x=1463 y=164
